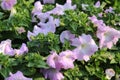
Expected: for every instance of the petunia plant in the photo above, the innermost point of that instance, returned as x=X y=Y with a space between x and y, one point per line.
x=59 y=40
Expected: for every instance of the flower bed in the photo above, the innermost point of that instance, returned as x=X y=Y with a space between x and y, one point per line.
x=59 y=40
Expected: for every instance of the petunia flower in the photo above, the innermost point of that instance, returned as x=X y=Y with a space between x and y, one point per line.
x=108 y=36
x=50 y=26
x=110 y=10
x=66 y=35
x=59 y=9
x=23 y=49
x=109 y=73
x=97 y=4
x=52 y=74
x=96 y=22
x=85 y=47
x=8 y=4
x=17 y=76
x=48 y=1
x=5 y=48
x=66 y=59
x=37 y=8
x=43 y=17
x=68 y=5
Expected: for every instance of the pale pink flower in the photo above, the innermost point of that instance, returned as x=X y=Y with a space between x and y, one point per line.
x=52 y=74
x=8 y=4
x=5 y=48
x=108 y=36
x=66 y=59
x=109 y=73
x=86 y=46
x=48 y=1
x=66 y=35
x=97 y=4
x=17 y=76
x=21 y=30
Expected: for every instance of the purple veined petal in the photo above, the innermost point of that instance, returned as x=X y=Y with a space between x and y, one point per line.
x=8 y=4
x=17 y=76
x=52 y=74
x=97 y=4
x=75 y=42
x=48 y=1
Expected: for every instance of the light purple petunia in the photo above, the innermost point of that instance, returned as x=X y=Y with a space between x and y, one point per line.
x=97 y=4
x=110 y=10
x=85 y=47
x=108 y=36
x=66 y=35
x=17 y=76
x=52 y=74
x=5 y=48
x=66 y=59
x=8 y=4
x=43 y=17
x=59 y=9
x=53 y=60
x=37 y=8
x=48 y=1
x=96 y=22
x=50 y=26
x=23 y=49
